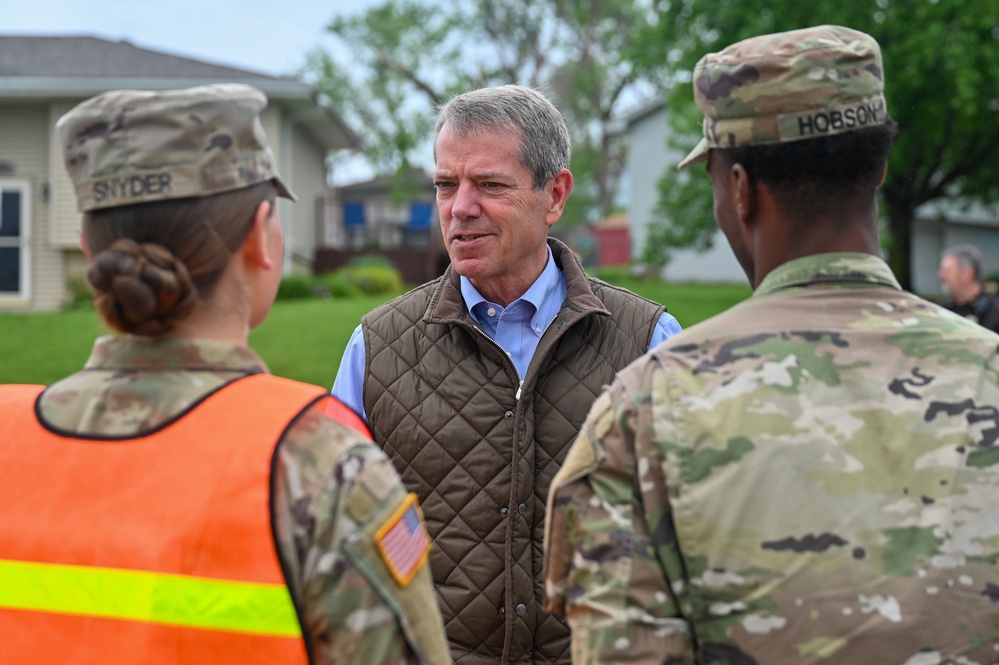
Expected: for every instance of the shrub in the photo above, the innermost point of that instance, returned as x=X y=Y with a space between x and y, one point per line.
x=373 y=279
x=294 y=287
x=370 y=274
x=338 y=285
x=370 y=260
x=78 y=295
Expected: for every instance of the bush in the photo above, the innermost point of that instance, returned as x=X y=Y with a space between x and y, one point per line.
x=294 y=287
x=367 y=276
x=370 y=275
x=372 y=279
x=371 y=260
x=338 y=285
x=79 y=295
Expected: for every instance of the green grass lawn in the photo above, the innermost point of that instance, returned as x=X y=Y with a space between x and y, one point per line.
x=301 y=339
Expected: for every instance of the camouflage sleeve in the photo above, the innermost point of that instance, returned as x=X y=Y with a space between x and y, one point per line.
x=609 y=541
x=336 y=498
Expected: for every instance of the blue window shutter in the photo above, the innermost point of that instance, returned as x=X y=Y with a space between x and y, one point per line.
x=353 y=214
x=419 y=216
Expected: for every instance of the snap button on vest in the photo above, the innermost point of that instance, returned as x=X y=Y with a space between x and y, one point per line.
x=504 y=511
x=522 y=509
x=508 y=415
x=521 y=609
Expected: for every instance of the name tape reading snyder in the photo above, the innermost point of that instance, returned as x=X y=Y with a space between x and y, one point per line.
x=131 y=187
x=806 y=124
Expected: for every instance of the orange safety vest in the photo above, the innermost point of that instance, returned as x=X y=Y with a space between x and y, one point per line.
x=156 y=549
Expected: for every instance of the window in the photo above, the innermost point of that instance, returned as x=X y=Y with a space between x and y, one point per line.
x=14 y=248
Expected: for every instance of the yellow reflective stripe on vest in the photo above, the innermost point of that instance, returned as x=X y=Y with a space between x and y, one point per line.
x=193 y=602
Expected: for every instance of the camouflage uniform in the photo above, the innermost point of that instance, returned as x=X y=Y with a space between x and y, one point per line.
x=353 y=613
x=333 y=490
x=810 y=476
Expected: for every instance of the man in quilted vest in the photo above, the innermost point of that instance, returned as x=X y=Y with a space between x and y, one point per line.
x=476 y=383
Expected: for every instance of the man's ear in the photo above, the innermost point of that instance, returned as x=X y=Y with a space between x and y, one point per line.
x=561 y=186
x=255 y=248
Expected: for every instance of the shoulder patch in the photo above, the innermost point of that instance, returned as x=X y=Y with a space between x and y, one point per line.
x=403 y=541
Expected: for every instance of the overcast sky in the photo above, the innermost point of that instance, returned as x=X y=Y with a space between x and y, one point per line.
x=269 y=36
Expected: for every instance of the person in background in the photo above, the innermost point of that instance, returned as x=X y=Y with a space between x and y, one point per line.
x=173 y=502
x=811 y=476
x=961 y=276
x=475 y=383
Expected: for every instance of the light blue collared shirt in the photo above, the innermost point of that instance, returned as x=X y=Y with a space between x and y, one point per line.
x=517 y=329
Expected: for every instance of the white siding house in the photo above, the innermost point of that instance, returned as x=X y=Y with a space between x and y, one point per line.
x=649 y=157
x=43 y=77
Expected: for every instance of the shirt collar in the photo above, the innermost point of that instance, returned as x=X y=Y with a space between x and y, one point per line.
x=537 y=294
x=113 y=352
x=830 y=267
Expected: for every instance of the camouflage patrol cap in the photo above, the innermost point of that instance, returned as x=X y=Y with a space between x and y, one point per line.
x=788 y=86
x=130 y=146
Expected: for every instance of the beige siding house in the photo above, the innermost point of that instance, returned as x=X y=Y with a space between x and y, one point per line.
x=43 y=77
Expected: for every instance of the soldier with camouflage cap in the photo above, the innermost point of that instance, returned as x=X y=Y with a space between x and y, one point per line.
x=174 y=501
x=811 y=476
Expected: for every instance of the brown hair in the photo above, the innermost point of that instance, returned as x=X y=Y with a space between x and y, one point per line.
x=153 y=261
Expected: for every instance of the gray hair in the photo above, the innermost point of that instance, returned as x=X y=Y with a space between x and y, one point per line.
x=544 y=137
x=968 y=256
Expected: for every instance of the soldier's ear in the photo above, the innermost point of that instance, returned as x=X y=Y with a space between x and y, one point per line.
x=745 y=193
x=255 y=246
x=83 y=247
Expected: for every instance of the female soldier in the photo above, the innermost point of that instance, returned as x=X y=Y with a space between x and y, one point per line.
x=173 y=502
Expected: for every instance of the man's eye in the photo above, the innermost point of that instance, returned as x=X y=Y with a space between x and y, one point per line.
x=440 y=184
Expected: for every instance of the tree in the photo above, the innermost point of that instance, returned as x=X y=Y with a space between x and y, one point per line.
x=941 y=62
x=406 y=57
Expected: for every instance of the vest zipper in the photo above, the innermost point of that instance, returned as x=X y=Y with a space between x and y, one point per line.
x=520 y=380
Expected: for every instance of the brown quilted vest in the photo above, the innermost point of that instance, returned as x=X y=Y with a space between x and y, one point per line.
x=442 y=400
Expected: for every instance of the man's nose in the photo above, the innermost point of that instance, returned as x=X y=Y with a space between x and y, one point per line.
x=466 y=201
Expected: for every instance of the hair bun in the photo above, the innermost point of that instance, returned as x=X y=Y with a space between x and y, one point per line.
x=142 y=289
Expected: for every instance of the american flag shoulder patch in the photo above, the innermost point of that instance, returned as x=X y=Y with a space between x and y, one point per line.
x=403 y=541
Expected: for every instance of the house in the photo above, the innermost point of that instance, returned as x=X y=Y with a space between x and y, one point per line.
x=41 y=78
x=938 y=225
x=648 y=158
x=394 y=217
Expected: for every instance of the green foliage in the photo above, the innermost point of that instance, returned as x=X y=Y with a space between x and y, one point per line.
x=369 y=275
x=372 y=279
x=80 y=295
x=689 y=192
x=370 y=260
x=405 y=57
x=302 y=339
x=941 y=63
x=295 y=287
x=338 y=285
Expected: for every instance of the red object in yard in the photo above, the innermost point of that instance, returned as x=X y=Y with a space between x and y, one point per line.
x=613 y=241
